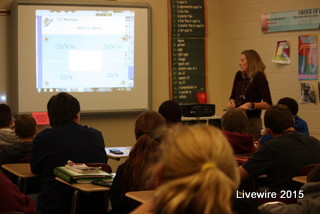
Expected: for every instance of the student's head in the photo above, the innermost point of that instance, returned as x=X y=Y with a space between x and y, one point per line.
x=171 y=111
x=63 y=108
x=253 y=62
x=5 y=116
x=235 y=120
x=149 y=130
x=291 y=104
x=278 y=119
x=199 y=173
x=148 y=123
x=25 y=126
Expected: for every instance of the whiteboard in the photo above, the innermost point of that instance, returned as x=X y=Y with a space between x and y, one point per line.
x=97 y=51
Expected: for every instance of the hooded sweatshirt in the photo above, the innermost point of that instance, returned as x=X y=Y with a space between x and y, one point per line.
x=301 y=125
x=242 y=143
x=7 y=137
x=15 y=152
x=308 y=204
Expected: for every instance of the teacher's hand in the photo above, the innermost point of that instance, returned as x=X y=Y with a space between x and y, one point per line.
x=245 y=106
x=231 y=104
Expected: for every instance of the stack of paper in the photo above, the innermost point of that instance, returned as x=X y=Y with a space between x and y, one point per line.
x=72 y=176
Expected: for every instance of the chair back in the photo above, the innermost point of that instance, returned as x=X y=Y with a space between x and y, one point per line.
x=2 y=147
x=306 y=169
x=314 y=174
x=24 y=159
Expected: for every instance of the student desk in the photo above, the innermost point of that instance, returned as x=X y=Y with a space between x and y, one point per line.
x=85 y=188
x=22 y=171
x=140 y=196
x=300 y=179
x=125 y=150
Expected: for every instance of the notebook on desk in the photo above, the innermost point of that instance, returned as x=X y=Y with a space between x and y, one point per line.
x=75 y=177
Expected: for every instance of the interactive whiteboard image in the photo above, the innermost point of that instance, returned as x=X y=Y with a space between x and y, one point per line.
x=84 y=50
x=99 y=52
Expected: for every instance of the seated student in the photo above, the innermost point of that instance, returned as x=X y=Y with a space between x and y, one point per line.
x=12 y=200
x=7 y=135
x=300 y=125
x=171 y=111
x=235 y=127
x=132 y=174
x=66 y=140
x=197 y=173
x=308 y=198
x=282 y=157
x=25 y=129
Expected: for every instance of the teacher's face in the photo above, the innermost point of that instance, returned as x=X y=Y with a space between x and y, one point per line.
x=243 y=63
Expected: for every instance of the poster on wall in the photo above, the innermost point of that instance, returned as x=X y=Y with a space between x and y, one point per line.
x=282 y=53
x=308 y=57
x=319 y=90
x=304 y=19
x=307 y=93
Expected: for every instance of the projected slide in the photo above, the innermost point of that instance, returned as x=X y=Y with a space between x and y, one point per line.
x=84 y=51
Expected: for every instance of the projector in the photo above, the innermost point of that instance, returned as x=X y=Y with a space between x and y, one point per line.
x=198 y=110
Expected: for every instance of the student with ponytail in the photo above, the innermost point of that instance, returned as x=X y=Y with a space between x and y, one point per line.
x=132 y=175
x=197 y=173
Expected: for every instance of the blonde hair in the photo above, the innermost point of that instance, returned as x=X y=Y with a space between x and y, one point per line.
x=255 y=63
x=199 y=173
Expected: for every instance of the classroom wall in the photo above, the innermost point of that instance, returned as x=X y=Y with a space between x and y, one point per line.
x=232 y=26
x=241 y=30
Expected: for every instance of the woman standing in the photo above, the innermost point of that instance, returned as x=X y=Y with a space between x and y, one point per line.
x=250 y=91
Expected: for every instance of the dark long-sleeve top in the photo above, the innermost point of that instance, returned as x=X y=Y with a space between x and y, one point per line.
x=120 y=203
x=15 y=153
x=54 y=147
x=256 y=91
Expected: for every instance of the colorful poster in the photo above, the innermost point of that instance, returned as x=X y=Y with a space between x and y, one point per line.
x=304 y=19
x=282 y=53
x=307 y=93
x=319 y=90
x=308 y=57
